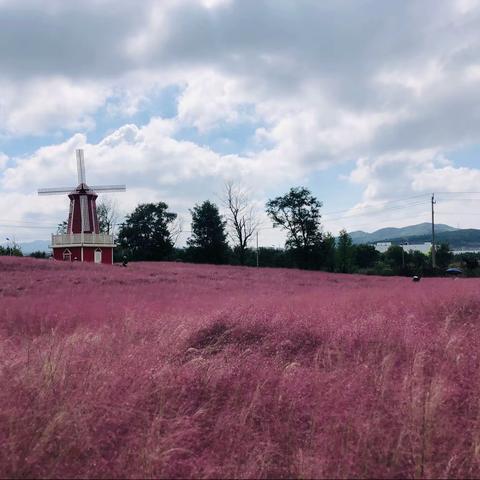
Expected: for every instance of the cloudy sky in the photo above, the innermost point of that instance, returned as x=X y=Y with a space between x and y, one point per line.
x=373 y=105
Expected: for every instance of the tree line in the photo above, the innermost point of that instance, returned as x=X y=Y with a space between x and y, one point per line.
x=149 y=233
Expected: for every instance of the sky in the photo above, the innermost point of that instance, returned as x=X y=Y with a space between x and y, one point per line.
x=372 y=105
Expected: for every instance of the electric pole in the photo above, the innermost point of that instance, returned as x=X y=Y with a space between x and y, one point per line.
x=433 y=231
x=257 y=248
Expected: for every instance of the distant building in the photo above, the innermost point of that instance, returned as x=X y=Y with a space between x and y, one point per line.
x=466 y=250
x=425 y=247
x=382 y=247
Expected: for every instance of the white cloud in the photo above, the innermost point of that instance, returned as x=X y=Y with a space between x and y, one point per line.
x=154 y=165
x=211 y=99
x=393 y=85
x=40 y=105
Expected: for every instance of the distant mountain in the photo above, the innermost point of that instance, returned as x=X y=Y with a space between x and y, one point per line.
x=34 y=246
x=401 y=234
x=461 y=239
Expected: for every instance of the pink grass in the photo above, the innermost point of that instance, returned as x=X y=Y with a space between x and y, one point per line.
x=176 y=370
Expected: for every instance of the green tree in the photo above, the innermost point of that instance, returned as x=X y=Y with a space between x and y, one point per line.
x=365 y=256
x=13 y=251
x=208 y=243
x=418 y=260
x=298 y=212
x=145 y=235
x=469 y=261
x=328 y=252
x=344 y=252
x=395 y=256
x=39 y=254
x=443 y=256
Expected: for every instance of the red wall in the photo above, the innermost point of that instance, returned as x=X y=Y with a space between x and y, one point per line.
x=88 y=254
x=58 y=253
x=107 y=255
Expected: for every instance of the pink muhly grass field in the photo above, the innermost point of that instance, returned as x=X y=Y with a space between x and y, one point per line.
x=178 y=370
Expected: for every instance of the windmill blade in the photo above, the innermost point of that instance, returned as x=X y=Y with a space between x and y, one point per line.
x=109 y=188
x=80 y=166
x=55 y=191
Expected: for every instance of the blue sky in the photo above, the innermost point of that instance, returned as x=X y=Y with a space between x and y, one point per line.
x=365 y=103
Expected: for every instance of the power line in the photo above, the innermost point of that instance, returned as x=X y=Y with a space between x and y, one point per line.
x=380 y=203
x=406 y=217
x=376 y=212
x=456 y=193
x=457 y=213
x=3 y=225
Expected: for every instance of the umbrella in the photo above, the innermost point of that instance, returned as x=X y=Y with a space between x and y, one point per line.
x=454 y=271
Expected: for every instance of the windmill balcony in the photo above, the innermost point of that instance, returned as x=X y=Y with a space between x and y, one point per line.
x=82 y=239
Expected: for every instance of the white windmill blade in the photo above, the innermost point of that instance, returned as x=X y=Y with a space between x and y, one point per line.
x=109 y=188
x=55 y=191
x=80 y=166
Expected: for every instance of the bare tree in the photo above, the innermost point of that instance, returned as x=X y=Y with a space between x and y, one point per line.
x=176 y=229
x=241 y=218
x=107 y=213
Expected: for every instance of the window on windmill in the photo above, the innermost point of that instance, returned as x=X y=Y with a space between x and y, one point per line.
x=67 y=255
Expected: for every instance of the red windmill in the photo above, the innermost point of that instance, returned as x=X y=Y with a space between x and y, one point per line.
x=83 y=240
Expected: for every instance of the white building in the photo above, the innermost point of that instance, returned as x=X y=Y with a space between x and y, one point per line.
x=425 y=247
x=382 y=247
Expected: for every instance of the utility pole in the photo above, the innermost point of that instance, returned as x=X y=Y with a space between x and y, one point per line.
x=257 y=248
x=433 y=231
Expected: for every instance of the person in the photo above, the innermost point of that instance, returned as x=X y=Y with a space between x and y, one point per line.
x=124 y=261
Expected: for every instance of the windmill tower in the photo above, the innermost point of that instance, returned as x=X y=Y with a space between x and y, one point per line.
x=83 y=240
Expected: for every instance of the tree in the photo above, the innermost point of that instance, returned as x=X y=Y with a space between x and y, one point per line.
x=241 y=218
x=395 y=257
x=344 y=252
x=62 y=227
x=107 y=214
x=418 y=260
x=208 y=243
x=298 y=212
x=13 y=250
x=145 y=234
x=327 y=252
x=176 y=229
x=470 y=261
x=443 y=255
x=365 y=256
x=39 y=254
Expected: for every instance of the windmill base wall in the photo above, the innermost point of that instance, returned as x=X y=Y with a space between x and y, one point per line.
x=73 y=254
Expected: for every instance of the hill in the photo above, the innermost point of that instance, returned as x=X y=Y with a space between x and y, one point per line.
x=387 y=234
x=457 y=238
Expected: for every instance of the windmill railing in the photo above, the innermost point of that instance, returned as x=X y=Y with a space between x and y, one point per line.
x=82 y=239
